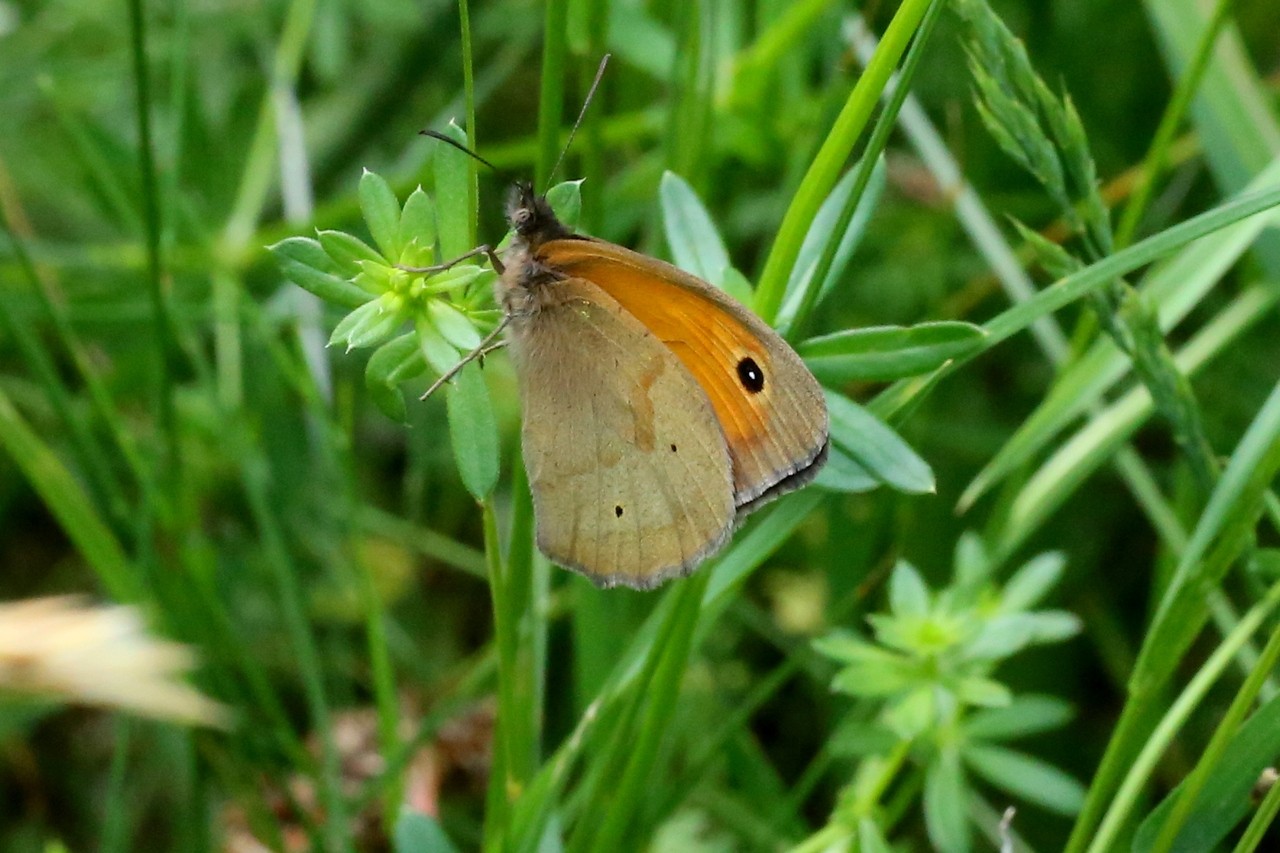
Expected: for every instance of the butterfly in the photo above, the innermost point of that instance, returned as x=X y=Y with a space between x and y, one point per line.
x=657 y=410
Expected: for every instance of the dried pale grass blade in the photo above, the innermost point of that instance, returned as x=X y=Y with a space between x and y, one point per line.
x=63 y=648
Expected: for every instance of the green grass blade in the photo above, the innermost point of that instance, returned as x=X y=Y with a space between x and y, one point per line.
x=68 y=503
x=825 y=169
x=1229 y=809
x=1081 y=454
x=1232 y=509
x=1176 y=287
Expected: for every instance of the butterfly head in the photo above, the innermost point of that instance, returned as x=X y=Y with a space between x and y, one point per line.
x=531 y=217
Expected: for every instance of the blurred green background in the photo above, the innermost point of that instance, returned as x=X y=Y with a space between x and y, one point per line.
x=257 y=497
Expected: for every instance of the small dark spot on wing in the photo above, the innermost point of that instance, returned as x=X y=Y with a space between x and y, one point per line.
x=750 y=375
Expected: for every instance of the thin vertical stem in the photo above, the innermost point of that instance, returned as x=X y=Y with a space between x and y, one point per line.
x=826 y=166
x=1153 y=164
x=551 y=93
x=469 y=93
x=165 y=348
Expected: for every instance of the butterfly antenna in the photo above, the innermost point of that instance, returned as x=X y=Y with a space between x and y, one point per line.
x=591 y=93
x=435 y=134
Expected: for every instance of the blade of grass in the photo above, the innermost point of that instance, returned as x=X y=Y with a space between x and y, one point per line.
x=259 y=168
x=1156 y=159
x=1238 y=131
x=1139 y=774
x=68 y=503
x=255 y=477
x=166 y=348
x=551 y=91
x=1080 y=455
x=1225 y=527
x=1212 y=755
x=115 y=824
x=1243 y=484
x=1266 y=812
x=1176 y=287
x=90 y=455
x=469 y=94
x=895 y=88
x=1071 y=288
x=825 y=169
x=622 y=805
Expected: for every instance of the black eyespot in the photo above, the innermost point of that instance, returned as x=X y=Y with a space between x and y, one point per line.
x=750 y=375
x=617 y=510
x=673 y=448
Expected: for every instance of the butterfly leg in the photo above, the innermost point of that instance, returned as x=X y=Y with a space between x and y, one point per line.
x=485 y=250
x=486 y=346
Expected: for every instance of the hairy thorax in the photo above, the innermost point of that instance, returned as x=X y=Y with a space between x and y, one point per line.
x=527 y=285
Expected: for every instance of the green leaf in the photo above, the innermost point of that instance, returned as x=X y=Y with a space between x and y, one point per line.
x=473 y=431
x=843 y=474
x=441 y=355
x=358 y=318
x=983 y=692
x=1024 y=715
x=946 y=803
x=821 y=233
x=347 y=251
x=376 y=277
x=915 y=713
x=420 y=833
x=452 y=171
x=876 y=447
x=1029 y=778
x=391 y=364
x=381 y=212
x=695 y=243
x=640 y=41
x=369 y=324
x=1228 y=521
x=1224 y=799
x=972 y=565
x=1004 y=635
x=908 y=593
x=861 y=738
x=417 y=230
x=736 y=285
x=306 y=252
x=566 y=202
x=304 y=262
x=1054 y=626
x=454 y=326
x=870 y=839
x=457 y=278
x=888 y=352
x=847 y=647
x=1033 y=580
x=871 y=680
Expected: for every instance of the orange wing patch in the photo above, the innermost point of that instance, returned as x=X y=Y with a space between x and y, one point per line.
x=768 y=405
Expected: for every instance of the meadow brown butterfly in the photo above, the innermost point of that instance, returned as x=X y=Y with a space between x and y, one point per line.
x=658 y=411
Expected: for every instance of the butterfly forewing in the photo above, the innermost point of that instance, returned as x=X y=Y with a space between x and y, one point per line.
x=630 y=475
x=768 y=405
